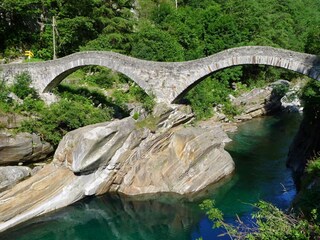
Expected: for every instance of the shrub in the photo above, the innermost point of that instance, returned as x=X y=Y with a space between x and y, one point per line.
x=150 y=122
x=101 y=77
x=280 y=89
x=63 y=116
x=136 y=116
x=4 y=92
x=21 y=86
x=208 y=93
x=269 y=223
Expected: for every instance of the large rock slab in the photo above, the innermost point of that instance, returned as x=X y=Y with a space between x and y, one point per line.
x=87 y=148
x=182 y=161
x=22 y=147
x=120 y=157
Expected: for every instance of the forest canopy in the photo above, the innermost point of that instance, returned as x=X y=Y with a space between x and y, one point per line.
x=156 y=29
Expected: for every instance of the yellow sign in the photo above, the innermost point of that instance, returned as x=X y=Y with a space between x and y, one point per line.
x=29 y=54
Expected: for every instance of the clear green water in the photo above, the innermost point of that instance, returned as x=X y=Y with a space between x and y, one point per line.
x=259 y=149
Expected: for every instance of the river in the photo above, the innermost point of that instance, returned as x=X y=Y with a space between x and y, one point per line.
x=259 y=149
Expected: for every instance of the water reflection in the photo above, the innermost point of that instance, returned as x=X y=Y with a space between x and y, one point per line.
x=112 y=217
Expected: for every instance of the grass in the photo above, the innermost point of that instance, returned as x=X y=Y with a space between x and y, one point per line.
x=150 y=122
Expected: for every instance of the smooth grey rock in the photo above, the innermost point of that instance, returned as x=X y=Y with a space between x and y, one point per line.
x=11 y=120
x=291 y=101
x=259 y=101
x=173 y=116
x=87 y=148
x=181 y=161
x=22 y=147
x=11 y=175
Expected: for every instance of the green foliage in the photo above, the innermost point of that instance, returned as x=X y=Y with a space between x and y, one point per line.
x=136 y=116
x=148 y=101
x=78 y=107
x=95 y=96
x=135 y=94
x=66 y=115
x=311 y=93
x=101 y=77
x=209 y=93
x=313 y=41
x=21 y=86
x=308 y=198
x=74 y=32
x=120 y=97
x=212 y=212
x=269 y=222
x=152 y=43
x=313 y=167
x=4 y=92
x=280 y=89
x=30 y=105
x=150 y=122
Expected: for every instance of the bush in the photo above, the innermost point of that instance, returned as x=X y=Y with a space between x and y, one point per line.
x=101 y=77
x=63 y=116
x=308 y=197
x=30 y=105
x=269 y=223
x=21 y=86
x=135 y=94
x=208 y=93
x=280 y=89
x=4 y=92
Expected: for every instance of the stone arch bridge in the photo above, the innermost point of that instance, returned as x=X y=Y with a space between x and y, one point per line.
x=165 y=80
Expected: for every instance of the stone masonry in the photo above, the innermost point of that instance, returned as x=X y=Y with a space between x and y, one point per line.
x=167 y=81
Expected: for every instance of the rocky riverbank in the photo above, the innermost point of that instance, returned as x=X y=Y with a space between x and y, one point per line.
x=121 y=157
x=159 y=154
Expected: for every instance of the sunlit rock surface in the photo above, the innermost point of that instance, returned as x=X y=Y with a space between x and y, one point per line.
x=120 y=157
x=260 y=101
x=22 y=147
x=10 y=175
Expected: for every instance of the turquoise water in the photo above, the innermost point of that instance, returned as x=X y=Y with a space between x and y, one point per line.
x=259 y=149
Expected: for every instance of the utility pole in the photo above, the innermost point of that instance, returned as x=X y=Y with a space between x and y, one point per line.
x=54 y=36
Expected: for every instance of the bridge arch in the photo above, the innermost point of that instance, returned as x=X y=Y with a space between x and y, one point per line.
x=305 y=64
x=113 y=61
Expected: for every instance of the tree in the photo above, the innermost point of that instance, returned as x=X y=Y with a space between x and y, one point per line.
x=313 y=41
x=151 y=43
